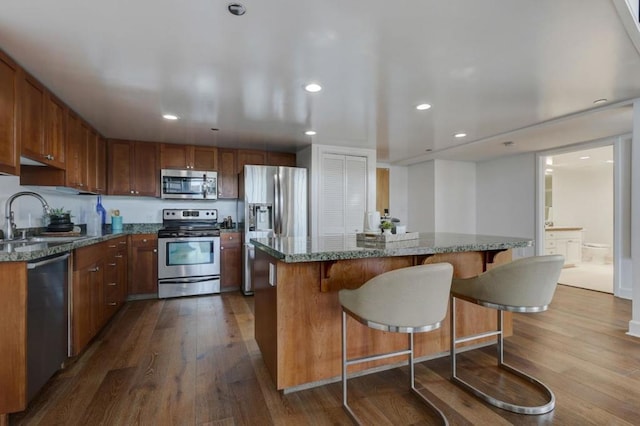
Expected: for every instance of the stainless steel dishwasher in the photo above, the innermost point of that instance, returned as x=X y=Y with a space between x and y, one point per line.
x=47 y=319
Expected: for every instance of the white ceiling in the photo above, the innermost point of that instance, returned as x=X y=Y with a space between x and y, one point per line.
x=491 y=68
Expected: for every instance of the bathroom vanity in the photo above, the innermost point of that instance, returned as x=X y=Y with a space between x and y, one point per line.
x=564 y=240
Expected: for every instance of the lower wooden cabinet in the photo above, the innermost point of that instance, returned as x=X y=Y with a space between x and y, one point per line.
x=115 y=277
x=230 y=261
x=143 y=269
x=94 y=268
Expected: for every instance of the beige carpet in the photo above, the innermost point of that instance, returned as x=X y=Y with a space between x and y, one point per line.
x=589 y=276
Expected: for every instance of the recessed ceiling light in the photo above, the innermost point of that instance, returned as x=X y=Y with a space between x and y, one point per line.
x=170 y=117
x=609 y=161
x=236 y=9
x=549 y=161
x=459 y=135
x=600 y=101
x=585 y=157
x=313 y=87
x=310 y=132
x=423 y=107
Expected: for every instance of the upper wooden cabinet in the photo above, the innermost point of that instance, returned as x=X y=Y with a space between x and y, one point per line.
x=192 y=157
x=42 y=122
x=281 y=159
x=77 y=153
x=133 y=168
x=9 y=148
x=227 y=173
x=101 y=165
x=249 y=156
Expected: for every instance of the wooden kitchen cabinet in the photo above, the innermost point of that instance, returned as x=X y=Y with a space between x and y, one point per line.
x=101 y=165
x=95 y=296
x=189 y=157
x=133 y=168
x=88 y=295
x=76 y=175
x=230 y=261
x=250 y=156
x=42 y=122
x=9 y=148
x=281 y=159
x=227 y=173
x=143 y=267
x=115 y=277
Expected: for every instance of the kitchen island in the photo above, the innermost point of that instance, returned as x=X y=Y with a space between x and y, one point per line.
x=298 y=315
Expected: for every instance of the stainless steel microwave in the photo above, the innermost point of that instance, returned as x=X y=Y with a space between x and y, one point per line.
x=189 y=184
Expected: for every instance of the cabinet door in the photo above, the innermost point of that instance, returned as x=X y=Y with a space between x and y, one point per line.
x=119 y=163
x=31 y=100
x=205 y=158
x=55 y=131
x=227 y=174
x=281 y=159
x=343 y=189
x=248 y=156
x=574 y=252
x=230 y=261
x=87 y=286
x=174 y=156
x=146 y=169
x=143 y=269
x=9 y=149
x=76 y=153
x=101 y=165
x=92 y=153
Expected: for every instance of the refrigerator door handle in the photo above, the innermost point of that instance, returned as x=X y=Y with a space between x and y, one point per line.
x=277 y=205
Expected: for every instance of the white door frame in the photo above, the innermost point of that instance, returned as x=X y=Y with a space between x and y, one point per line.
x=621 y=180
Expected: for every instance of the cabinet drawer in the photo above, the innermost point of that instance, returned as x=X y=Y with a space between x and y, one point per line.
x=144 y=241
x=232 y=239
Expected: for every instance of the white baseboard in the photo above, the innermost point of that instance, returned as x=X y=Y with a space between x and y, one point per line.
x=634 y=328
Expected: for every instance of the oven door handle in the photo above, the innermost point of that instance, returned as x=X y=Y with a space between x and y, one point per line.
x=188 y=280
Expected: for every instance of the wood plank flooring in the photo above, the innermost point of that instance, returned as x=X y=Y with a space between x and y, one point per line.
x=193 y=361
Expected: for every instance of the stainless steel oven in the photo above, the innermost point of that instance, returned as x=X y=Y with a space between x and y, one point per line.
x=188 y=253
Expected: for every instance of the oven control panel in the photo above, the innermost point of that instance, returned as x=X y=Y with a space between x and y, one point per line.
x=193 y=215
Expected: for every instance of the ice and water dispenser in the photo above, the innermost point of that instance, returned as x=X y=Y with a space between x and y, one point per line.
x=260 y=217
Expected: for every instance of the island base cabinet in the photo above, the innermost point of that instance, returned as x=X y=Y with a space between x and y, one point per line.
x=298 y=315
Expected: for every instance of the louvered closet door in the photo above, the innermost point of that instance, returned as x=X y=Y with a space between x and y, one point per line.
x=343 y=194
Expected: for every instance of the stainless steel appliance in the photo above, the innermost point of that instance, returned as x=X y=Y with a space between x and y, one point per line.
x=189 y=184
x=275 y=204
x=47 y=319
x=188 y=253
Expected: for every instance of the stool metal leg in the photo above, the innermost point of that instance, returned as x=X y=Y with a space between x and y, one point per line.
x=346 y=362
x=515 y=408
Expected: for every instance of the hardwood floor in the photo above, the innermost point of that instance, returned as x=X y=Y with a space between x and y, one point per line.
x=193 y=361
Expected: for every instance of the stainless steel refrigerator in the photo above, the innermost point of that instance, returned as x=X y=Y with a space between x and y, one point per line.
x=275 y=205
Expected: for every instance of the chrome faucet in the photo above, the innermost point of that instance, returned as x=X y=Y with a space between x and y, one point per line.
x=10 y=224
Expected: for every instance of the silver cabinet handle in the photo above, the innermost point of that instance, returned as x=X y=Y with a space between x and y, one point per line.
x=96 y=269
x=124 y=243
x=144 y=240
x=221 y=248
x=112 y=303
x=111 y=284
x=118 y=255
x=112 y=264
x=155 y=250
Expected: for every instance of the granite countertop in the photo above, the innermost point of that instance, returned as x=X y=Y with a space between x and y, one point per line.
x=25 y=251
x=303 y=249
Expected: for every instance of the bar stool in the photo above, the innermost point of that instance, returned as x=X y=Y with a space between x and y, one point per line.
x=406 y=300
x=526 y=286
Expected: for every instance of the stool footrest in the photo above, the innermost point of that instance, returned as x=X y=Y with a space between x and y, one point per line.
x=515 y=408
x=377 y=357
x=478 y=336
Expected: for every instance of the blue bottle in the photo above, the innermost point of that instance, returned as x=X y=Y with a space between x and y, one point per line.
x=103 y=213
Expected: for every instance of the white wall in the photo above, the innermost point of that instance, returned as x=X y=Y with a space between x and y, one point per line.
x=506 y=198
x=421 y=201
x=28 y=210
x=455 y=196
x=585 y=198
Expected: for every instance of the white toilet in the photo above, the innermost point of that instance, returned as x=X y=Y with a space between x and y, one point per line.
x=595 y=253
